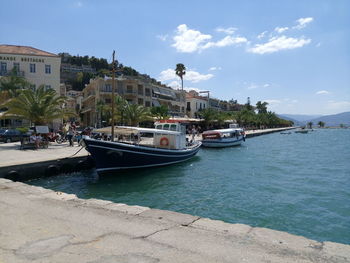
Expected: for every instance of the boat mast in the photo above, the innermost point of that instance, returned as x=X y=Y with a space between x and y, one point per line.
x=113 y=84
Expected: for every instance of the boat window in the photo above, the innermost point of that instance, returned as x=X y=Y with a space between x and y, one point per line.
x=166 y=127
x=159 y=127
x=173 y=127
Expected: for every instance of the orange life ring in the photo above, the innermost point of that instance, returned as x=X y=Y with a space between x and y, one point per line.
x=164 y=141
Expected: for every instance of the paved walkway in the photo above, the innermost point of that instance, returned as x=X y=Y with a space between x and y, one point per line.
x=10 y=153
x=40 y=225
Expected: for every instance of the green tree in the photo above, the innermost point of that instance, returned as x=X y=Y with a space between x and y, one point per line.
x=309 y=124
x=321 y=124
x=261 y=107
x=180 y=71
x=11 y=85
x=134 y=114
x=160 y=112
x=39 y=107
x=208 y=115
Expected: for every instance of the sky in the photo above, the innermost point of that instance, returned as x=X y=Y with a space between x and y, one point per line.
x=295 y=55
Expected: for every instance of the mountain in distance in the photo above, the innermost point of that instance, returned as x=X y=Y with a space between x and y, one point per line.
x=333 y=120
x=329 y=120
x=300 y=117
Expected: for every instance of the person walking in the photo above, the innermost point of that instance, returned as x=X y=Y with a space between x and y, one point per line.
x=70 y=135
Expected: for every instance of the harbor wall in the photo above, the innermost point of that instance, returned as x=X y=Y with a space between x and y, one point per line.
x=56 y=227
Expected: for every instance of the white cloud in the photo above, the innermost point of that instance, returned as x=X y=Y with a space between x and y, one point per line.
x=229 y=30
x=163 y=37
x=256 y=86
x=281 y=29
x=189 y=40
x=214 y=68
x=226 y=41
x=318 y=44
x=192 y=76
x=322 y=92
x=302 y=22
x=261 y=35
x=279 y=43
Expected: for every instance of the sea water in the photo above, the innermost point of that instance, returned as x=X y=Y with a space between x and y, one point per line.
x=299 y=183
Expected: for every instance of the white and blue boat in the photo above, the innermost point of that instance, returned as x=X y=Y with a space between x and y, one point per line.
x=223 y=137
x=142 y=147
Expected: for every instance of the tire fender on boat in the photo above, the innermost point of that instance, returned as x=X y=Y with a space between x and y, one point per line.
x=164 y=141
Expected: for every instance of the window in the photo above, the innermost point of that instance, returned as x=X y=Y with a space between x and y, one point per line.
x=196 y=105
x=148 y=104
x=16 y=66
x=3 y=67
x=107 y=88
x=140 y=89
x=32 y=68
x=33 y=87
x=188 y=105
x=108 y=101
x=140 y=101
x=48 y=69
x=148 y=92
x=47 y=87
x=129 y=89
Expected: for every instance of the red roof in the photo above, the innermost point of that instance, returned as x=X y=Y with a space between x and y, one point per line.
x=24 y=50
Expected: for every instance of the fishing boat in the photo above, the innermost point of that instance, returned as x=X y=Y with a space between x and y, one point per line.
x=302 y=131
x=142 y=147
x=223 y=137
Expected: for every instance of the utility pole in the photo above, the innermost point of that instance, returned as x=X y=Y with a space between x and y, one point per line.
x=113 y=84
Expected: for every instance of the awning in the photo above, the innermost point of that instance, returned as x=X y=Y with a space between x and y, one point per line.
x=117 y=130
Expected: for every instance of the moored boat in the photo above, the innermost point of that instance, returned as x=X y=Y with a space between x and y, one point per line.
x=223 y=137
x=142 y=147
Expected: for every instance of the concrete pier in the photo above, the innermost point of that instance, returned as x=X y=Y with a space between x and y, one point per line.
x=40 y=225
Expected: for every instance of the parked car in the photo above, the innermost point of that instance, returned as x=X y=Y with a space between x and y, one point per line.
x=11 y=135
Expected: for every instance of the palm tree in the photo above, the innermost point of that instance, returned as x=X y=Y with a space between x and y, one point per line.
x=321 y=124
x=39 y=107
x=102 y=109
x=309 y=124
x=134 y=114
x=209 y=115
x=261 y=107
x=161 y=112
x=11 y=85
x=181 y=71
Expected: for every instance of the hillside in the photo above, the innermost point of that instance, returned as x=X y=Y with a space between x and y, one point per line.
x=333 y=120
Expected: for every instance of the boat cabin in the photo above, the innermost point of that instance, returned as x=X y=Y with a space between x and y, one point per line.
x=222 y=133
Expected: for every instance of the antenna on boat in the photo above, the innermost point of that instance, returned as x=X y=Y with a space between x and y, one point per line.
x=113 y=84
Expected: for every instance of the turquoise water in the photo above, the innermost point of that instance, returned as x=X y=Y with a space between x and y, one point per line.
x=299 y=183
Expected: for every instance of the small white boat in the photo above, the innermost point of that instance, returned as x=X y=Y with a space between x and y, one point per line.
x=223 y=137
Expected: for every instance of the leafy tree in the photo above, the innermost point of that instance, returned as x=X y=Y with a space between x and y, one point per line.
x=160 y=112
x=11 y=85
x=321 y=124
x=135 y=113
x=180 y=71
x=39 y=107
x=261 y=107
x=309 y=124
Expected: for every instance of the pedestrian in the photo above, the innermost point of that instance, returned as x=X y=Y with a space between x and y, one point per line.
x=193 y=132
x=70 y=135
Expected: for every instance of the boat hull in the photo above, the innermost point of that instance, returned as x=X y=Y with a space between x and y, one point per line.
x=110 y=156
x=224 y=142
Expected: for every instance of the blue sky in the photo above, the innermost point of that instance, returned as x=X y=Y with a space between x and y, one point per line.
x=293 y=54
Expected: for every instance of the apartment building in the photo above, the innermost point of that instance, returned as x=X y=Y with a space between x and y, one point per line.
x=136 y=90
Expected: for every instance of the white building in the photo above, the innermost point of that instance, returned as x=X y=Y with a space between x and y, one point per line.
x=37 y=66
x=195 y=103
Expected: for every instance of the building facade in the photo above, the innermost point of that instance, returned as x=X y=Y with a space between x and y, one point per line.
x=195 y=103
x=38 y=67
x=136 y=90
